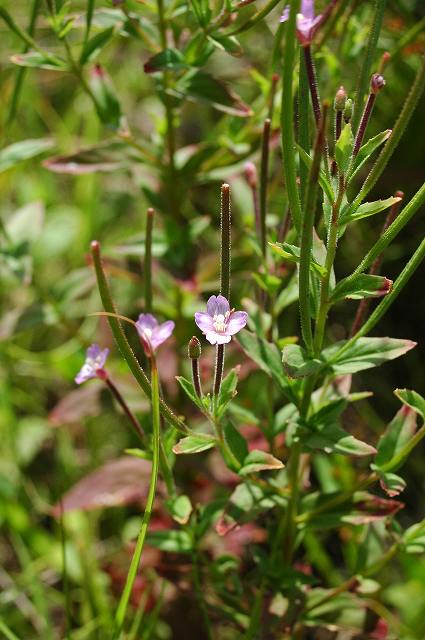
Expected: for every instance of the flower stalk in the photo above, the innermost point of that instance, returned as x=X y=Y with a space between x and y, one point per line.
x=130 y=415
x=264 y=170
x=147 y=272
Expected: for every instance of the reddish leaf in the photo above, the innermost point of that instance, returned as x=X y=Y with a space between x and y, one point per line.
x=76 y=405
x=119 y=482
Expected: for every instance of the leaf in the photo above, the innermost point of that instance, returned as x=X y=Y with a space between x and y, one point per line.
x=412 y=399
x=366 y=151
x=227 y=43
x=414 y=538
x=291 y=253
x=236 y=446
x=76 y=405
x=227 y=390
x=170 y=540
x=333 y=439
x=266 y=355
x=344 y=148
x=26 y=224
x=392 y=484
x=259 y=461
x=95 y=44
x=199 y=85
x=397 y=434
x=365 y=353
x=194 y=444
x=119 y=482
x=19 y=151
x=107 y=104
x=37 y=60
x=180 y=509
x=267 y=281
x=167 y=60
x=107 y=156
x=296 y=362
x=366 y=209
x=362 y=286
x=245 y=504
x=189 y=390
x=323 y=181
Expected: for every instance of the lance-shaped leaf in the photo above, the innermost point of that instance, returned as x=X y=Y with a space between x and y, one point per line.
x=391 y=483
x=331 y=438
x=267 y=356
x=323 y=181
x=194 y=444
x=107 y=104
x=291 y=253
x=296 y=362
x=414 y=538
x=366 y=209
x=20 y=151
x=201 y=86
x=344 y=148
x=94 y=45
x=108 y=156
x=257 y=461
x=365 y=353
x=119 y=482
x=366 y=151
x=189 y=390
x=397 y=434
x=167 y=60
x=236 y=448
x=412 y=399
x=362 y=286
x=227 y=390
x=36 y=60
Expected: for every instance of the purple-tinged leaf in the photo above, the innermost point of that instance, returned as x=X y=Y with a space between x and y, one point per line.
x=37 y=60
x=370 y=508
x=257 y=461
x=365 y=353
x=117 y=483
x=107 y=156
x=167 y=60
x=362 y=286
x=76 y=405
x=333 y=439
x=194 y=444
x=391 y=483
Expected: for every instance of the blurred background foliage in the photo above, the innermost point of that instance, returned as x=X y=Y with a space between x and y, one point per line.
x=48 y=287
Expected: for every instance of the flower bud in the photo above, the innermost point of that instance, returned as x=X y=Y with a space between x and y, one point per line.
x=194 y=348
x=251 y=175
x=377 y=82
x=340 y=99
x=348 y=110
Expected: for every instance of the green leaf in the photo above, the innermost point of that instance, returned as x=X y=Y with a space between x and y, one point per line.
x=362 y=286
x=291 y=253
x=412 y=399
x=257 y=461
x=172 y=541
x=236 y=447
x=365 y=353
x=201 y=86
x=107 y=104
x=19 y=151
x=227 y=390
x=189 y=390
x=94 y=46
x=414 y=538
x=267 y=281
x=267 y=356
x=167 y=60
x=366 y=151
x=106 y=156
x=323 y=181
x=194 y=444
x=397 y=434
x=333 y=439
x=392 y=484
x=180 y=509
x=25 y=225
x=296 y=362
x=245 y=504
x=34 y=59
x=344 y=148
x=227 y=43
x=365 y=210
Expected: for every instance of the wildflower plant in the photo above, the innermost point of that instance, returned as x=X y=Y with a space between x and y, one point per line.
x=317 y=500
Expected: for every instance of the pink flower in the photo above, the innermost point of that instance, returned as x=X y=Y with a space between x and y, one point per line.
x=93 y=367
x=307 y=22
x=152 y=333
x=220 y=322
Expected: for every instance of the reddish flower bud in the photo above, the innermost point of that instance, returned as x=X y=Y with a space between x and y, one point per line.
x=251 y=175
x=194 y=348
x=377 y=82
x=340 y=99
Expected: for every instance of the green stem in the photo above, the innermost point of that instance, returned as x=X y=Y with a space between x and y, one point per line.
x=292 y=508
x=135 y=562
x=264 y=170
x=255 y=18
x=89 y=18
x=287 y=116
x=397 y=132
x=147 y=272
x=122 y=342
x=226 y=241
x=303 y=121
x=307 y=235
x=197 y=583
x=362 y=85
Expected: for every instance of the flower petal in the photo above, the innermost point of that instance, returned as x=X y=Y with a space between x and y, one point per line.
x=161 y=333
x=204 y=322
x=223 y=305
x=237 y=321
x=146 y=321
x=285 y=15
x=212 y=306
x=221 y=338
x=307 y=8
x=86 y=373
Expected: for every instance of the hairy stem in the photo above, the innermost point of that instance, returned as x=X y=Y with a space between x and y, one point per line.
x=264 y=169
x=147 y=272
x=130 y=415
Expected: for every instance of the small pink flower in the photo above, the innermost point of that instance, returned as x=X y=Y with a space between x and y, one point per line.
x=152 y=333
x=220 y=322
x=93 y=367
x=307 y=22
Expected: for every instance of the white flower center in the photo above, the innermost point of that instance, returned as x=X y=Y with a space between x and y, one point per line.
x=220 y=322
x=147 y=333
